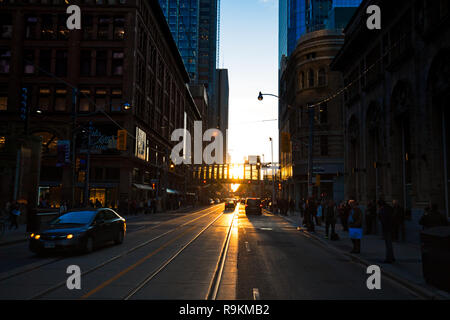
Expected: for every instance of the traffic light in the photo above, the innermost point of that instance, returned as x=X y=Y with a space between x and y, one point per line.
x=122 y=140
x=279 y=187
x=24 y=104
x=318 y=180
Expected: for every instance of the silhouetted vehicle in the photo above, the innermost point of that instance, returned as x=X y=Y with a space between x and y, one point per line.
x=211 y=202
x=217 y=201
x=230 y=205
x=82 y=230
x=253 y=206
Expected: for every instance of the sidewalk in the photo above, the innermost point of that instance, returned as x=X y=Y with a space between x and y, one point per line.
x=407 y=269
x=13 y=235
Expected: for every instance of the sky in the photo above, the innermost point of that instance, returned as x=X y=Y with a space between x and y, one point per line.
x=249 y=50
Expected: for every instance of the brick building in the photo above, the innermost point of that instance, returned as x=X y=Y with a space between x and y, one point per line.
x=124 y=55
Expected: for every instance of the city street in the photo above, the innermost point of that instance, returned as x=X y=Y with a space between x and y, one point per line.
x=181 y=256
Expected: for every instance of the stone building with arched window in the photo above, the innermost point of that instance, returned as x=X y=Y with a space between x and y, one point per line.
x=396 y=106
x=307 y=80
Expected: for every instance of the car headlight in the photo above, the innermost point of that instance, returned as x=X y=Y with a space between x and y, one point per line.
x=37 y=237
x=69 y=236
x=32 y=235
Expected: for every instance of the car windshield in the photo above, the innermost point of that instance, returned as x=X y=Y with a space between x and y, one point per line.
x=253 y=202
x=75 y=218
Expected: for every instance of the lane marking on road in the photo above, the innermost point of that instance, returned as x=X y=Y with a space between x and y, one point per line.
x=247 y=246
x=256 y=294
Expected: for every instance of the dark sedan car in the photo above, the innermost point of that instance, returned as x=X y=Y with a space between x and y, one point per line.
x=82 y=230
x=253 y=206
x=230 y=205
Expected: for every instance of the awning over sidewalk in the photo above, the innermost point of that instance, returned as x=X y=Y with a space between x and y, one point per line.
x=142 y=186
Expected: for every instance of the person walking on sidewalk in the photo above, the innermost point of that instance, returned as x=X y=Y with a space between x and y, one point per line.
x=355 y=226
x=14 y=215
x=386 y=216
x=399 y=221
x=311 y=211
x=330 y=218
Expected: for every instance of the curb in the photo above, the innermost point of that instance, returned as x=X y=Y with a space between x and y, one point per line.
x=417 y=289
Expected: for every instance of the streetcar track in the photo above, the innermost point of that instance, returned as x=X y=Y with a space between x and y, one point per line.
x=117 y=257
x=35 y=267
x=173 y=257
x=217 y=278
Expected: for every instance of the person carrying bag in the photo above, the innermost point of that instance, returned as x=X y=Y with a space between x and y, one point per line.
x=355 y=226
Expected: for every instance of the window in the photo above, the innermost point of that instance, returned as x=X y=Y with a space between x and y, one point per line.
x=322 y=78
x=101 y=62
x=85 y=63
x=119 y=28
x=44 y=99
x=88 y=29
x=310 y=78
x=84 y=100
x=5 y=26
x=324 y=145
x=61 y=63
x=323 y=114
x=5 y=60
x=103 y=28
x=116 y=100
x=60 y=99
x=28 y=64
x=63 y=32
x=30 y=27
x=45 y=59
x=100 y=99
x=302 y=80
x=3 y=99
x=47 y=31
x=117 y=63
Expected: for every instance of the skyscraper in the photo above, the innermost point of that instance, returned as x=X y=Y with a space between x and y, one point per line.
x=298 y=17
x=193 y=24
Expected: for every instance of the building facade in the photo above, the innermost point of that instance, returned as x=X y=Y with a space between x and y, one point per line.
x=305 y=16
x=396 y=105
x=193 y=24
x=308 y=81
x=219 y=119
x=121 y=72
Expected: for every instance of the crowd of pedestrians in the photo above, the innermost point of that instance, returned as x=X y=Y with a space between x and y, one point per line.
x=392 y=220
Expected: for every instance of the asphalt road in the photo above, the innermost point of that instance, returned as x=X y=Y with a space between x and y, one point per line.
x=193 y=256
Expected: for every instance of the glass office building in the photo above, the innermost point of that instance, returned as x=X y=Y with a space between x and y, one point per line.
x=193 y=24
x=183 y=19
x=305 y=16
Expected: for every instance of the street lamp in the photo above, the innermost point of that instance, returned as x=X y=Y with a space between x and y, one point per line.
x=311 y=139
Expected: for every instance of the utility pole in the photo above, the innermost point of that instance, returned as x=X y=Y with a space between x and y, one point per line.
x=273 y=176
x=74 y=137
x=88 y=167
x=310 y=151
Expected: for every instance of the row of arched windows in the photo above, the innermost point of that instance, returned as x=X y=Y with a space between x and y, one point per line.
x=311 y=79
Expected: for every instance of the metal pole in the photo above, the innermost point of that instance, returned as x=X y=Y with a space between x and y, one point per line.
x=444 y=138
x=273 y=177
x=310 y=151
x=88 y=166
x=74 y=136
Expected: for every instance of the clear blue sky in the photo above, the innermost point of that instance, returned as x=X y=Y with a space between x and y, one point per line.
x=249 y=50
